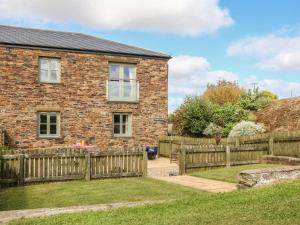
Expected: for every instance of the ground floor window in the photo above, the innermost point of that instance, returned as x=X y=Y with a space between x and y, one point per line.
x=122 y=124
x=48 y=124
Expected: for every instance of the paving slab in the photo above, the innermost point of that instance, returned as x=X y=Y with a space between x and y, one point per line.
x=200 y=183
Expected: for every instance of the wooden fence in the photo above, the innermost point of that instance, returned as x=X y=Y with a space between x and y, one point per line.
x=195 y=158
x=26 y=168
x=279 y=143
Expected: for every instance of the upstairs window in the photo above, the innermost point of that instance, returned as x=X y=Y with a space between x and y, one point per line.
x=49 y=124
x=49 y=70
x=122 y=124
x=122 y=83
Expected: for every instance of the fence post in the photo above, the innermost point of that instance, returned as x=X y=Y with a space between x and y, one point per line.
x=21 y=169
x=171 y=146
x=227 y=156
x=182 y=161
x=145 y=163
x=271 y=144
x=88 y=166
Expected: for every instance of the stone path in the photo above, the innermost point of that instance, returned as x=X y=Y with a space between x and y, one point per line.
x=161 y=169
x=200 y=183
x=6 y=216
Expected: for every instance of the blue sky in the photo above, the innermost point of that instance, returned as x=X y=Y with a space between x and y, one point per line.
x=246 y=41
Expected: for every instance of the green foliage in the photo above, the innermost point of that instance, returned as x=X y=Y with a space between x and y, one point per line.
x=212 y=130
x=246 y=128
x=226 y=130
x=193 y=116
x=228 y=113
x=223 y=104
x=254 y=100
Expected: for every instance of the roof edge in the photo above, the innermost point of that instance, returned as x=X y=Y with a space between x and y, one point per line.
x=39 y=47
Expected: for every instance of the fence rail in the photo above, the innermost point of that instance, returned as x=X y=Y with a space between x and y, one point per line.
x=195 y=158
x=41 y=167
x=279 y=143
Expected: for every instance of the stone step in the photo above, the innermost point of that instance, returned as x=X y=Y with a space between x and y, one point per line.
x=285 y=160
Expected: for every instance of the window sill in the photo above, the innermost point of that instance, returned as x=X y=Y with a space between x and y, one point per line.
x=125 y=137
x=53 y=137
x=49 y=82
x=122 y=102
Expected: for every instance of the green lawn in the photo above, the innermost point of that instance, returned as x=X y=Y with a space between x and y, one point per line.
x=273 y=205
x=229 y=174
x=94 y=192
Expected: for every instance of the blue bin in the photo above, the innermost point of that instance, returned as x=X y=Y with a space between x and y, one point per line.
x=151 y=152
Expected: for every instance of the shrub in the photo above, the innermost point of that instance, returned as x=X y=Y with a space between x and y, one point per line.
x=212 y=130
x=228 y=113
x=245 y=128
x=254 y=100
x=226 y=130
x=193 y=116
x=223 y=92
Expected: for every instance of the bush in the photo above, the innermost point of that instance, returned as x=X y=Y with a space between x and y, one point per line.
x=212 y=130
x=254 y=100
x=246 y=128
x=226 y=130
x=229 y=113
x=193 y=116
x=223 y=92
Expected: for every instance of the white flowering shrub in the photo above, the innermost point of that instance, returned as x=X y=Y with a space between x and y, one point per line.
x=212 y=129
x=246 y=128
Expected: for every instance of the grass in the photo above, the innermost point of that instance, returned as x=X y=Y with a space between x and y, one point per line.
x=229 y=174
x=273 y=205
x=73 y=193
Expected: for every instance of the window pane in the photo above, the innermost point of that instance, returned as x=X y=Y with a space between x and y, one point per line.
x=114 y=88
x=53 y=129
x=129 y=72
x=127 y=89
x=53 y=118
x=54 y=65
x=44 y=64
x=44 y=75
x=43 y=118
x=124 y=130
x=114 y=71
x=117 y=129
x=116 y=118
x=43 y=129
x=125 y=119
x=54 y=75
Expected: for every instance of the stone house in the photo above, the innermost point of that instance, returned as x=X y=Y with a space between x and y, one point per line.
x=57 y=88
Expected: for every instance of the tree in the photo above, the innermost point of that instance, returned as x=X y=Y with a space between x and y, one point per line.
x=223 y=92
x=193 y=116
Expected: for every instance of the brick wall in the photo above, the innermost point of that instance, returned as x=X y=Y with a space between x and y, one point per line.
x=80 y=97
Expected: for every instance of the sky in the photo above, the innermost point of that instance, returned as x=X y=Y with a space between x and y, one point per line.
x=250 y=42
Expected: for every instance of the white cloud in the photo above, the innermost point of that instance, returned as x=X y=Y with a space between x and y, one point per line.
x=280 y=87
x=276 y=52
x=188 y=17
x=189 y=75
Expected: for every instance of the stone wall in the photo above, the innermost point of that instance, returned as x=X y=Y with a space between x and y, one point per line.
x=259 y=177
x=80 y=98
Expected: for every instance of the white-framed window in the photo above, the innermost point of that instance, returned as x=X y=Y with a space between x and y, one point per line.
x=49 y=124
x=122 y=124
x=122 y=83
x=49 y=70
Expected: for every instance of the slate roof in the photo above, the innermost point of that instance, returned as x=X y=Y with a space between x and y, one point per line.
x=27 y=37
